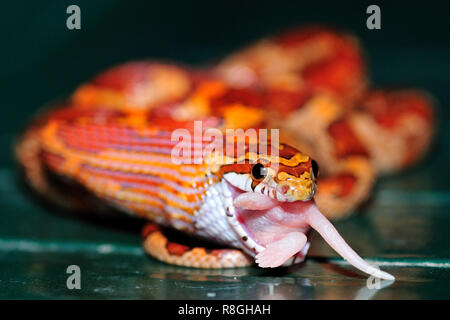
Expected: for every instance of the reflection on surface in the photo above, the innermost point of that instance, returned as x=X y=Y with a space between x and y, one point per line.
x=169 y=272
x=239 y=283
x=366 y=293
x=307 y=281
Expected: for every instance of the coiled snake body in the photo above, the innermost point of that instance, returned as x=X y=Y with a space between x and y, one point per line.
x=114 y=137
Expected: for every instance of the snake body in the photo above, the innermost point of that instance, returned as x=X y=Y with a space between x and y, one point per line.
x=114 y=137
x=124 y=157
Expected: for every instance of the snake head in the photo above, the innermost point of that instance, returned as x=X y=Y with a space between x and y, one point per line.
x=273 y=208
x=287 y=175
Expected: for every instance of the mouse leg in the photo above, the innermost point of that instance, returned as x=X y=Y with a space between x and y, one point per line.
x=278 y=252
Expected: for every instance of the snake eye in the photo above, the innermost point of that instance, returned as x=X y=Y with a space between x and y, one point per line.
x=258 y=171
x=315 y=168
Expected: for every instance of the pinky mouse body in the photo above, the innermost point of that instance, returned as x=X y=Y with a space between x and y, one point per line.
x=282 y=231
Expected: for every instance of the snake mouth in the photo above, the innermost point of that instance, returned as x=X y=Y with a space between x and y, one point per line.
x=263 y=219
x=248 y=242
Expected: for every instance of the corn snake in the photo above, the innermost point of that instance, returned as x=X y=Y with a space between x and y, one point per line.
x=112 y=137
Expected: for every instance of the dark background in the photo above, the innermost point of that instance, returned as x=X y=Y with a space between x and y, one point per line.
x=405 y=226
x=41 y=59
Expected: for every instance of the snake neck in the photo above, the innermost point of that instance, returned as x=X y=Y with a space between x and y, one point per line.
x=217 y=219
x=211 y=219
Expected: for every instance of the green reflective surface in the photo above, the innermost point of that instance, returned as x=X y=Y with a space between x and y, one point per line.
x=129 y=276
x=404 y=231
x=404 y=228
